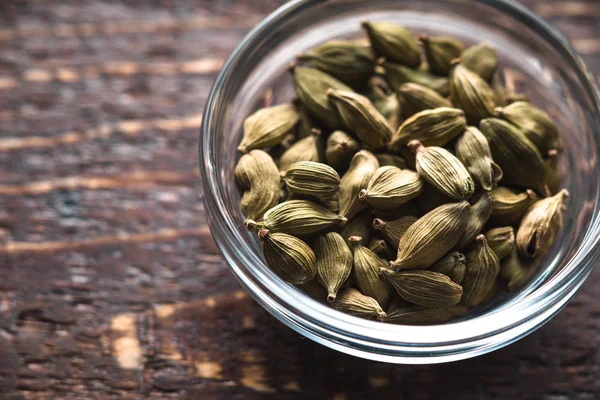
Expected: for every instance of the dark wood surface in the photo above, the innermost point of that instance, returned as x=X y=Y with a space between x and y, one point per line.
x=110 y=284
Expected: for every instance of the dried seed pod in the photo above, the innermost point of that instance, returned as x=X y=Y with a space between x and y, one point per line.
x=366 y=273
x=257 y=177
x=471 y=93
x=391 y=160
x=424 y=288
x=397 y=75
x=347 y=61
x=402 y=312
x=307 y=149
x=393 y=230
x=478 y=216
x=482 y=270
x=481 y=59
x=332 y=204
x=517 y=271
x=431 y=198
x=334 y=262
x=311 y=86
x=360 y=116
x=289 y=257
x=453 y=265
x=540 y=224
x=473 y=150
x=384 y=100
x=519 y=159
x=359 y=226
x=362 y=167
x=379 y=247
x=440 y=51
x=393 y=42
x=390 y=187
x=537 y=126
x=351 y=301
x=501 y=241
x=268 y=127
x=415 y=98
x=299 y=217
x=341 y=147
x=308 y=178
x=553 y=175
x=306 y=125
x=432 y=127
x=432 y=236
x=442 y=170
x=510 y=205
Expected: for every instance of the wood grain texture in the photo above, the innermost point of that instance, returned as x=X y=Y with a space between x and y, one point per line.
x=110 y=284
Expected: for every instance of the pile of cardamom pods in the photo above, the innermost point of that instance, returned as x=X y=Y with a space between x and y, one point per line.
x=404 y=182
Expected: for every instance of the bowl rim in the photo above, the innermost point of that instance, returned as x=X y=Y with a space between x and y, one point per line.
x=374 y=340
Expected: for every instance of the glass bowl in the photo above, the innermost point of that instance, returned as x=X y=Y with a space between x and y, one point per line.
x=534 y=59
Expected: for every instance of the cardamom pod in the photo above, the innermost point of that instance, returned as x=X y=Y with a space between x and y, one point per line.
x=366 y=272
x=432 y=127
x=431 y=198
x=415 y=98
x=351 y=301
x=289 y=257
x=257 y=177
x=393 y=230
x=478 y=216
x=359 y=226
x=410 y=208
x=347 y=61
x=453 y=265
x=379 y=247
x=537 y=126
x=432 y=236
x=443 y=170
x=510 y=205
x=440 y=51
x=332 y=204
x=473 y=150
x=309 y=178
x=360 y=116
x=481 y=59
x=424 y=288
x=391 y=187
x=341 y=147
x=400 y=313
x=362 y=167
x=540 y=224
x=307 y=149
x=397 y=75
x=519 y=159
x=314 y=290
x=306 y=125
x=268 y=127
x=501 y=241
x=391 y=160
x=471 y=93
x=311 y=86
x=517 y=271
x=384 y=100
x=482 y=270
x=334 y=262
x=553 y=173
x=393 y=42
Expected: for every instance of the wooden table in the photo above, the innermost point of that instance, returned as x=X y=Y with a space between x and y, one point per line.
x=110 y=284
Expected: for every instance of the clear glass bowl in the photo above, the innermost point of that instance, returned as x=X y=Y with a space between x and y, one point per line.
x=534 y=58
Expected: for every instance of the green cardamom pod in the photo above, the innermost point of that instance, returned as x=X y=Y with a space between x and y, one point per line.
x=440 y=51
x=453 y=265
x=397 y=75
x=501 y=241
x=307 y=149
x=517 y=271
x=306 y=125
x=431 y=198
x=268 y=127
x=479 y=214
x=332 y=204
x=540 y=224
x=311 y=86
x=401 y=313
x=553 y=174
x=289 y=257
x=415 y=98
x=442 y=170
x=359 y=226
x=471 y=93
x=351 y=301
x=341 y=147
x=393 y=230
x=309 y=178
x=362 y=167
x=360 y=116
x=432 y=127
x=432 y=236
x=391 y=160
x=334 y=262
x=473 y=150
x=379 y=247
x=510 y=205
x=384 y=100
x=424 y=288
x=257 y=177
x=482 y=270
x=519 y=159
x=481 y=59
x=393 y=42
x=391 y=187
x=366 y=273
x=347 y=61
x=537 y=126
